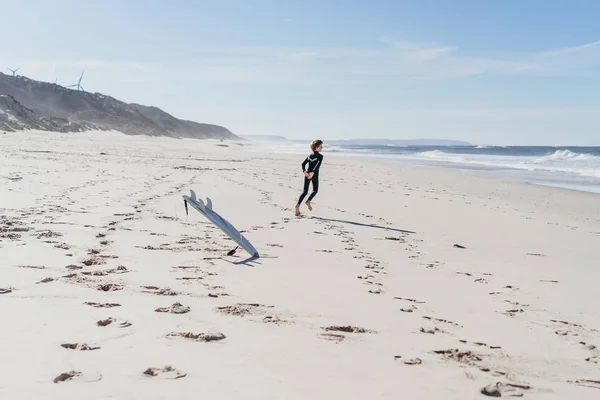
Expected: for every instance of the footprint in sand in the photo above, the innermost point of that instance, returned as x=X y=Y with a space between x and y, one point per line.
x=410 y=361
x=159 y=291
x=110 y=287
x=244 y=309
x=347 y=329
x=431 y=331
x=445 y=321
x=570 y=324
x=192 y=268
x=76 y=375
x=67 y=376
x=395 y=238
x=338 y=337
x=120 y=270
x=93 y=261
x=32 y=266
x=166 y=372
x=433 y=265
x=594 y=359
x=102 y=305
x=270 y=319
x=113 y=322
x=461 y=356
x=481 y=344
x=198 y=337
x=6 y=290
x=513 y=311
x=563 y=332
x=176 y=308
x=588 y=346
x=501 y=389
x=48 y=234
x=409 y=300
x=516 y=303
x=79 y=346
x=409 y=309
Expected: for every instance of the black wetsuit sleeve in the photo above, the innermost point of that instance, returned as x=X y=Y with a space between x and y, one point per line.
x=304 y=164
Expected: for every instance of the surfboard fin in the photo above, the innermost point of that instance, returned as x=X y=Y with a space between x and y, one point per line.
x=209 y=203
x=197 y=200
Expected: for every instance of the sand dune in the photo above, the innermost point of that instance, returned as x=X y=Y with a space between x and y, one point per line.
x=402 y=283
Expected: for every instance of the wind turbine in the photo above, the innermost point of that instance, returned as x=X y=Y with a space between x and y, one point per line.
x=78 y=85
x=14 y=71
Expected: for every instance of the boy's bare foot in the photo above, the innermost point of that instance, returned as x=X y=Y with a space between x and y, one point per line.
x=309 y=205
x=297 y=210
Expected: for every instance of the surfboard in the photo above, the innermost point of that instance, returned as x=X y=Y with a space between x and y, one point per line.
x=215 y=218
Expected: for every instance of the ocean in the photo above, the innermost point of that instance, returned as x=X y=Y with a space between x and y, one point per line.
x=575 y=168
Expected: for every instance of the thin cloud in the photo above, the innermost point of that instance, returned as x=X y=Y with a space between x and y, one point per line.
x=394 y=61
x=571 y=50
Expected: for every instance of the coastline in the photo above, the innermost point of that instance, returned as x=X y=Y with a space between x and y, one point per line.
x=434 y=156
x=365 y=297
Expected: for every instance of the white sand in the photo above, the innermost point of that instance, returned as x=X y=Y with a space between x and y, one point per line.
x=60 y=184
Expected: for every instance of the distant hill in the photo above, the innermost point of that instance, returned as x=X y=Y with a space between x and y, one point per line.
x=75 y=110
x=15 y=117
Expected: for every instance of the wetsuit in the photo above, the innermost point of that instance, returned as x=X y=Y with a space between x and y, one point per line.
x=313 y=162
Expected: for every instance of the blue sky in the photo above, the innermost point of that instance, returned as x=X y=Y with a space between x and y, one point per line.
x=489 y=72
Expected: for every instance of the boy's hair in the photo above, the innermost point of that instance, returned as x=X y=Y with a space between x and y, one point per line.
x=315 y=144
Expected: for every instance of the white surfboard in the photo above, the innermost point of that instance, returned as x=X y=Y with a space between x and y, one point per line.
x=222 y=223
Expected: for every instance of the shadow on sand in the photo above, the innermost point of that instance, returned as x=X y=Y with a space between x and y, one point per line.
x=250 y=261
x=365 y=225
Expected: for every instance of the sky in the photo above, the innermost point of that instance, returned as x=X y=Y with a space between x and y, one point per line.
x=504 y=72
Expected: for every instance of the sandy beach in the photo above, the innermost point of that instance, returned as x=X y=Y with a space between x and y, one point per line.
x=403 y=282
